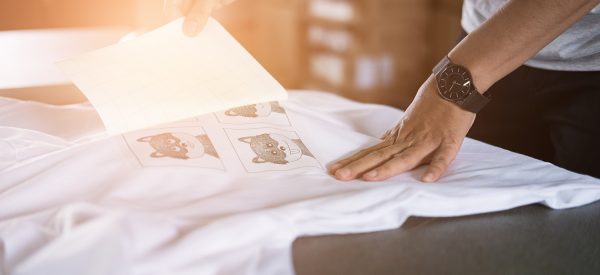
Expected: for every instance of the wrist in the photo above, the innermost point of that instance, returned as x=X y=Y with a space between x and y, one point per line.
x=480 y=71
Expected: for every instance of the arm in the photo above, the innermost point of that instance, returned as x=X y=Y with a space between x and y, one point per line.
x=432 y=129
x=514 y=34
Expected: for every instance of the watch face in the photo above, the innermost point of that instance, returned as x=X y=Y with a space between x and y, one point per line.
x=454 y=83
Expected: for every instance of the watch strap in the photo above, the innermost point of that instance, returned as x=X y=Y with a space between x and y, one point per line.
x=475 y=101
x=441 y=65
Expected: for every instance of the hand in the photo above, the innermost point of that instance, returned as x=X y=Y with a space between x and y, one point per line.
x=196 y=12
x=431 y=131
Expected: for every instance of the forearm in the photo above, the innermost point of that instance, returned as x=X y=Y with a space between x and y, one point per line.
x=514 y=34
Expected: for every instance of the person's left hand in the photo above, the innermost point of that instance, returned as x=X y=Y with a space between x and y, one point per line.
x=431 y=131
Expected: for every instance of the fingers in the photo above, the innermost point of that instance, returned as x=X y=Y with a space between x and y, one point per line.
x=401 y=162
x=390 y=161
x=440 y=162
x=197 y=16
x=393 y=135
x=390 y=133
x=341 y=163
x=374 y=158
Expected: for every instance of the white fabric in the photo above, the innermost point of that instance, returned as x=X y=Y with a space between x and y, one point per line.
x=73 y=202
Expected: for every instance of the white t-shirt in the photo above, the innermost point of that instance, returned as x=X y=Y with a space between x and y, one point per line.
x=165 y=200
x=577 y=49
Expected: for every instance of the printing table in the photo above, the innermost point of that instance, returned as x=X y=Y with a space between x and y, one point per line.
x=526 y=240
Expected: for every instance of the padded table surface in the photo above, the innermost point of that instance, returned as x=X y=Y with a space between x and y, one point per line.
x=526 y=240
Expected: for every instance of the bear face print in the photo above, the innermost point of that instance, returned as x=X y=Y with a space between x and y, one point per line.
x=179 y=145
x=275 y=148
x=256 y=110
x=265 y=149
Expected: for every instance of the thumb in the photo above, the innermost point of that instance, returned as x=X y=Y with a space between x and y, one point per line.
x=197 y=17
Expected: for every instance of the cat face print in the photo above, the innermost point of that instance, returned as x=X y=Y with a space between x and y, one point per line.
x=256 y=110
x=275 y=148
x=179 y=145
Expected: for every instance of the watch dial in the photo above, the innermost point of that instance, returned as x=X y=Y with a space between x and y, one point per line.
x=454 y=83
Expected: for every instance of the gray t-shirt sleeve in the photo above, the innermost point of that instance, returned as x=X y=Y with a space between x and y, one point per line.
x=577 y=49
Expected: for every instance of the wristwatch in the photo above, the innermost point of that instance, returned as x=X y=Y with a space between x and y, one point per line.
x=455 y=84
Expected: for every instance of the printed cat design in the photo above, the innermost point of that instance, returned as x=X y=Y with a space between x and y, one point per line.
x=180 y=145
x=256 y=110
x=276 y=148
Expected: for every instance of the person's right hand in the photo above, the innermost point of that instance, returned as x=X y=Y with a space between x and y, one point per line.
x=431 y=131
x=196 y=12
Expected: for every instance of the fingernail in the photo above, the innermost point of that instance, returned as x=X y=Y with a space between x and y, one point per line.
x=428 y=177
x=190 y=27
x=343 y=173
x=371 y=175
